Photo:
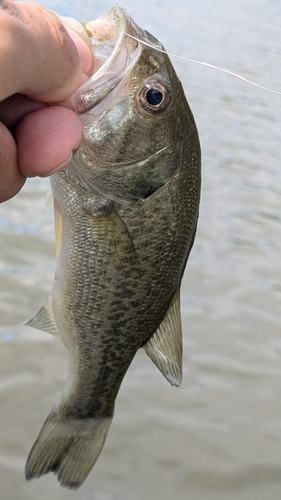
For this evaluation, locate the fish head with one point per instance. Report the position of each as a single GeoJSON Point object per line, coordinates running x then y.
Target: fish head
{"type": "Point", "coordinates": [132, 110]}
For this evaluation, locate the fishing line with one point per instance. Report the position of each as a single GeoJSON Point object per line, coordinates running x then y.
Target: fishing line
{"type": "Point", "coordinates": [206, 64]}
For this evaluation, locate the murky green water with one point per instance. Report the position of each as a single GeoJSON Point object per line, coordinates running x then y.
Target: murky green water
{"type": "Point", "coordinates": [218, 437]}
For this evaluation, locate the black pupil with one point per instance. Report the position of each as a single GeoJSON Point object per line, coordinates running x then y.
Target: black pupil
{"type": "Point", "coordinates": [154, 97]}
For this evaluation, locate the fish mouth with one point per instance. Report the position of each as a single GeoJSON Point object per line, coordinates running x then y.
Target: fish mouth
{"type": "Point", "coordinates": [114, 54]}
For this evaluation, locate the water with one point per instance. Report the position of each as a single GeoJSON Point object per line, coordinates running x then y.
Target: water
{"type": "Point", "coordinates": [218, 437]}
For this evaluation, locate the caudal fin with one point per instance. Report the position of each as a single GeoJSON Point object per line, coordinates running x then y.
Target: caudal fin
{"type": "Point", "coordinates": [69, 448]}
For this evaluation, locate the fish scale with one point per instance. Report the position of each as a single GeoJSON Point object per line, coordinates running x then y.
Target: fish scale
{"type": "Point", "coordinates": [126, 210]}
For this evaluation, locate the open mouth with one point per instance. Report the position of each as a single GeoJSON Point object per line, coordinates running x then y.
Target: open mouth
{"type": "Point", "coordinates": [114, 53]}
{"type": "Point", "coordinates": [103, 36]}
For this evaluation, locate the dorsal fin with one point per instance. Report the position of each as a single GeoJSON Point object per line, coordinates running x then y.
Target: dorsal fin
{"type": "Point", "coordinates": [44, 319]}
{"type": "Point", "coordinates": [165, 345]}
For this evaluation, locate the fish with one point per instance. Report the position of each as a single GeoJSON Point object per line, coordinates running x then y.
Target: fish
{"type": "Point", "coordinates": [126, 209]}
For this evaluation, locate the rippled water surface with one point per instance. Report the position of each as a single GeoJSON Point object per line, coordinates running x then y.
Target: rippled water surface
{"type": "Point", "coordinates": [218, 437]}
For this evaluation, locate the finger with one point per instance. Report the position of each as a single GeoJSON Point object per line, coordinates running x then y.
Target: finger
{"type": "Point", "coordinates": [17, 106]}
{"type": "Point", "coordinates": [84, 52]}
{"type": "Point", "coordinates": [38, 57]}
{"type": "Point", "coordinates": [11, 179]}
{"type": "Point", "coordinates": [46, 140]}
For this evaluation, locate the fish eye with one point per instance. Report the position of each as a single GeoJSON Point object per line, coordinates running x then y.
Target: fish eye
{"type": "Point", "coordinates": [153, 97]}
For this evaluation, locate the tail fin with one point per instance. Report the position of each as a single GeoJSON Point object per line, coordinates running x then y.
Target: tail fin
{"type": "Point", "coordinates": [67, 447]}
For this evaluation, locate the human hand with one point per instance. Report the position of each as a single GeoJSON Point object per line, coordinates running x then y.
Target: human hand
{"type": "Point", "coordinates": [40, 65]}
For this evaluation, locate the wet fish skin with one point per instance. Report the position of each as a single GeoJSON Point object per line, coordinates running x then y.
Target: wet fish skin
{"type": "Point", "coordinates": [126, 211]}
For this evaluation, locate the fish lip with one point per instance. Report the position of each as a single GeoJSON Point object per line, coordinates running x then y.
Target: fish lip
{"type": "Point", "coordinates": [107, 77]}
{"type": "Point", "coordinates": [120, 20]}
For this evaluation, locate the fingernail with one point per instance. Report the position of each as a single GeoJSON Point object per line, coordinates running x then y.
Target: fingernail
{"type": "Point", "coordinates": [84, 52]}
{"type": "Point", "coordinates": [59, 167]}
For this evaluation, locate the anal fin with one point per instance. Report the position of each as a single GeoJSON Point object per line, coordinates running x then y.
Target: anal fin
{"type": "Point", "coordinates": [165, 345]}
{"type": "Point", "coordinates": [44, 319]}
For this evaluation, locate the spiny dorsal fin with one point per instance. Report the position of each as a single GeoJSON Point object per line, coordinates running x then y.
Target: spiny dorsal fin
{"type": "Point", "coordinates": [165, 346]}
{"type": "Point", "coordinates": [44, 319]}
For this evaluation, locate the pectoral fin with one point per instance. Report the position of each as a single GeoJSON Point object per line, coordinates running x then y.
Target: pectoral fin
{"type": "Point", "coordinates": [165, 346]}
{"type": "Point", "coordinates": [44, 320]}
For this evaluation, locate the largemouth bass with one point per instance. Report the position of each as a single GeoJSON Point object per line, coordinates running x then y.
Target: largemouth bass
{"type": "Point", "coordinates": [126, 210]}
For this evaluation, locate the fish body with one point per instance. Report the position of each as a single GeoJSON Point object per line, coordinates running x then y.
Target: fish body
{"type": "Point", "coordinates": [126, 210]}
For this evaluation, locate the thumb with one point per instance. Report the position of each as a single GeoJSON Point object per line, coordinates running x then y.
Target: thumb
{"type": "Point", "coordinates": [36, 46]}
